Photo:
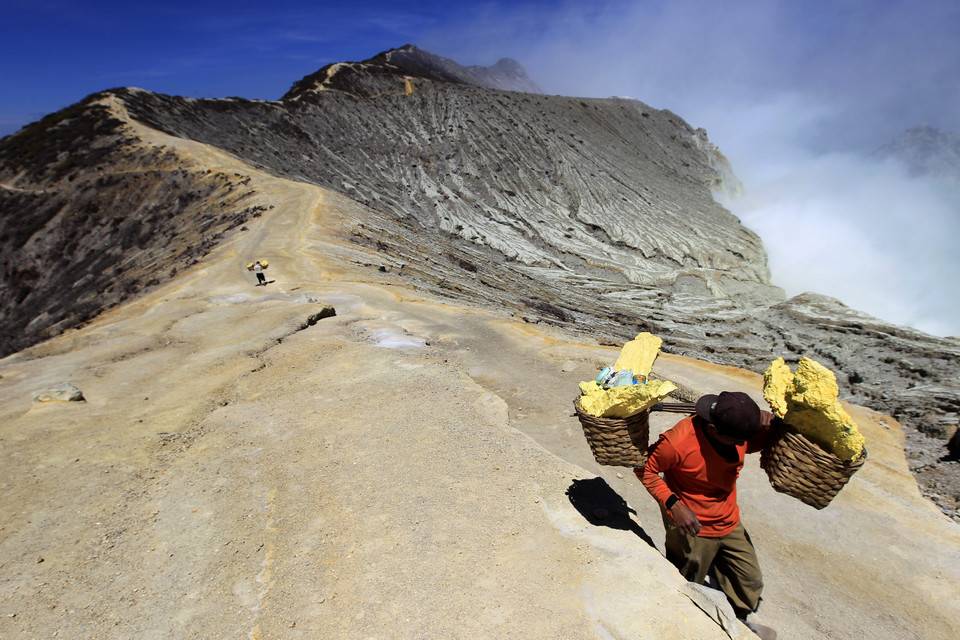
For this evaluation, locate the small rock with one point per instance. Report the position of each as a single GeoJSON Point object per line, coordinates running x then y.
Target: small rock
{"type": "Point", "coordinates": [63, 392]}
{"type": "Point", "coordinates": [951, 431]}
{"type": "Point", "coordinates": [941, 428]}
{"type": "Point", "coordinates": [327, 312]}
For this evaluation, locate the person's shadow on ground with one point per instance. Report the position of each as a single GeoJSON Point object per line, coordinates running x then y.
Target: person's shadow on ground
{"type": "Point", "coordinates": [265, 283]}
{"type": "Point", "coordinates": [603, 507]}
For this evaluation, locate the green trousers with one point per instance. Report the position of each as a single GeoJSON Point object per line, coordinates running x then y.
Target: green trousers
{"type": "Point", "coordinates": [733, 558]}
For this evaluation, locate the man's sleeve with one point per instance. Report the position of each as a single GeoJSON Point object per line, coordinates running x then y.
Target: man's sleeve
{"type": "Point", "coordinates": [759, 441]}
{"type": "Point", "coordinates": [662, 457]}
{"type": "Point", "coordinates": [756, 443]}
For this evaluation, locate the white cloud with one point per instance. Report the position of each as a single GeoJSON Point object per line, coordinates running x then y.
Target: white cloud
{"type": "Point", "coordinates": [864, 232]}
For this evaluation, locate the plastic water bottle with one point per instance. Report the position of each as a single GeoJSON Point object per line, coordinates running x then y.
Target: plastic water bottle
{"type": "Point", "coordinates": [623, 378]}
{"type": "Point", "coordinates": [604, 378]}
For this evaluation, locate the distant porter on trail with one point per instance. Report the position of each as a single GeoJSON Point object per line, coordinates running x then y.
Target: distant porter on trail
{"type": "Point", "coordinates": [258, 267]}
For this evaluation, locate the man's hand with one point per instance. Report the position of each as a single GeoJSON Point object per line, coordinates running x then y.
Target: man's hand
{"type": "Point", "coordinates": [766, 419]}
{"type": "Point", "coordinates": [686, 520]}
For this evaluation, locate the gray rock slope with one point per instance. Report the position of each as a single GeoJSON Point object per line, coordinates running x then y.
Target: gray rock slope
{"type": "Point", "coordinates": [594, 214]}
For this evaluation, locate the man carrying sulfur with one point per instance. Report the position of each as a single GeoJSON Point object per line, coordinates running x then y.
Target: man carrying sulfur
{"type": "Point", "coordinates": [700, 459]}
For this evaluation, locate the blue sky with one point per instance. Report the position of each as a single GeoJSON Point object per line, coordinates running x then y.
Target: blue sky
{"type": "Point", "coordinates": [795, 93]}
{"type": "Point", "coordinates": [886, 64]}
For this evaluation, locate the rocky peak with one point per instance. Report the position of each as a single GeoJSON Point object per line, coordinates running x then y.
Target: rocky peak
{"type": "Point", "coordinates": [506, 74]}
{"type": "Point", "coordinates": [927, 151]}
{"type": "Point", "coordinates": [390, 69]}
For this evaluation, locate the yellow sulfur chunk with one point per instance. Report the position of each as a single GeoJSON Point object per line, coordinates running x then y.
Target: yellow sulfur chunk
{"type": "Point", "coordinates": [639, 354]}
{"type": "Point", "coordinates": [833, 429]}
{"type": "Point", "coordinates": [590, 386]}
{"type": "Point", "coordinates": [622, 402]}
{"type": "Point", "coordinates": [814, 385]}
{"type": "Point", "coordinates": [777, 383]}
{"type": "Point", "coordinates": [811, 406]}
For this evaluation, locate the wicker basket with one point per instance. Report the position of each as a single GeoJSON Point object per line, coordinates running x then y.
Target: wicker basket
{"type": "Point", "coordinates": [618, 442]}
{"type": "Point", "coordinates": [799, 468]}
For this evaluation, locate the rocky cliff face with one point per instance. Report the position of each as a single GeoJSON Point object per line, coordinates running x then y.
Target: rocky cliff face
{"type": "Point", "coordinates": [593, 214]}
{"type": "Point", "coordinates": [544, 182]}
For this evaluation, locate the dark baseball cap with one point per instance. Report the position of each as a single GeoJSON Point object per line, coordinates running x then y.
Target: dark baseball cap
{"type": "Point", "coordinates": [734, 413]}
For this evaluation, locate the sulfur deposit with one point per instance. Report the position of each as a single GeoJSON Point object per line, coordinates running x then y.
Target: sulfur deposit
{"type": "Point", "coordinates": [621, 402]}
{"type": "Point", "coordinates": [807, 402]}
{"type": "Point", "coordinates": [777, 381]}
{"type": "Point", "coordinates": [637, 356]}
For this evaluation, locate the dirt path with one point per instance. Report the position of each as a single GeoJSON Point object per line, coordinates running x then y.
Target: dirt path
{"type": "Point", "coordinates": [404, 469]}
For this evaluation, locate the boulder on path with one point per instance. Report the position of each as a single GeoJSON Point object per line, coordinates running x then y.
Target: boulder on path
{"type": "Point", "coordinates": [62, 392]}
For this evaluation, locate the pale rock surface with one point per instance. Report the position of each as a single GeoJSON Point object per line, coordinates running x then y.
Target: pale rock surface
{"type": "Point", "coordinates": [716, 605]}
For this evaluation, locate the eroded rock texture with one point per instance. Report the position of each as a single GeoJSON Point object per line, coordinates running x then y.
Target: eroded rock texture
{"type": "Point", "coordinates": [593, 214]}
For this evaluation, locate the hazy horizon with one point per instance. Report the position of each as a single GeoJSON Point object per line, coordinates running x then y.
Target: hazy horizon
{"type": "Point", "coordinates": [795, 94]}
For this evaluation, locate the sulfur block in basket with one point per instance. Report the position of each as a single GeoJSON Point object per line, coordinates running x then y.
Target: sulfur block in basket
{"type": "Point", "coordinates": [621, 402]}
{"type": "Point", "coordinates": [807, 402]}
{"type": "Point", "coordinates": [777, 381]}
{"type": "Point", "coordinates": [639, 354]}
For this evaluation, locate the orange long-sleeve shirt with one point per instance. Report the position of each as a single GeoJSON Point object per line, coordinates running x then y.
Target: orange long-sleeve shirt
{"type": "Point", "coordinates": [702, 479]}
